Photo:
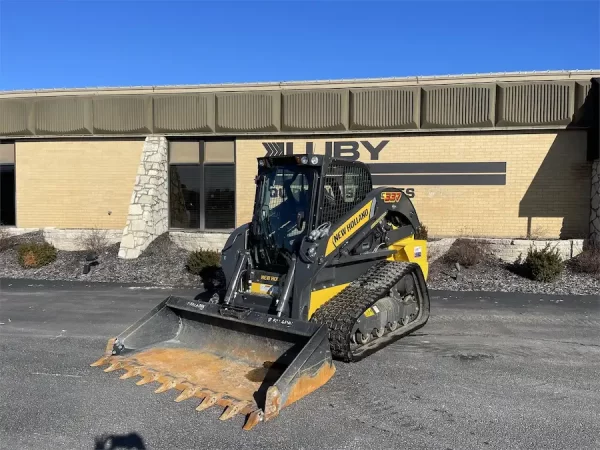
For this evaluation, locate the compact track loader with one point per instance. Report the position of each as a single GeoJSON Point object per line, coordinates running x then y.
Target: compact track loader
{"type": "Point", "coordinates": [328, 269]}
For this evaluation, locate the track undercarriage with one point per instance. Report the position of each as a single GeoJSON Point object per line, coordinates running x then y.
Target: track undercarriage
{"type": "Point", "coordinates": [386, 303]}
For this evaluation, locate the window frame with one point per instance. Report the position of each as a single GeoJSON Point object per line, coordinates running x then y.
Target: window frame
{"type": "Point", "coordinates": [14, 166]}
{"type": "Point", "coordinates": [201, 166]}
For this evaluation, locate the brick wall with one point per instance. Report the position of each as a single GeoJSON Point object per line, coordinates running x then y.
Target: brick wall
{"type": "Point", "coordinates": [74, 184]}
{"type": "Point", "coordinates": [546, 195]}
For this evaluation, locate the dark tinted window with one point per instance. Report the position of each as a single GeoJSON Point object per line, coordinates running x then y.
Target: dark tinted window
{"type": "Point", "coordinates": [219, 194]}
{"type": "Point", "coordinates": [202, 185]}
{"type": "Point", "coordinates": [7, 194]}
{"type": "Point", "coordinates": [185, 189]}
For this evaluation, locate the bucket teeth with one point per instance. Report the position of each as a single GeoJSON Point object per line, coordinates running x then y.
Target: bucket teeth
{"type": "Point", "coordinates": [208, 402]}
{"type": "Point", "coordinates": [114, 366]}
{"type": "Point", "coordinates": [232, 410]}
{"type": "Point", "coordinates": [147, 377]}
{"type": "Point", "coordinates": [101, 361]}
{"type": "Point", "coordinates": [168, 384]}
{"type": "Point", "coordinates": [253, 419]}
{"type": "Point", "coordinates": [131, 372]}
{"type": "Point", "coordinates": [187, 393]}
{"type": "Point", "coordinates": [232, 406]}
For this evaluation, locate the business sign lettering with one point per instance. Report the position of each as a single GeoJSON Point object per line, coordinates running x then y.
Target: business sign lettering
{"type": "Point", "coordinates": [398, 174]}
{"type": "Point", "coordinates": [351, 150]}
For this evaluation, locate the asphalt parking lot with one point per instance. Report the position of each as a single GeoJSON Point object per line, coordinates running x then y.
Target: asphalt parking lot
{"type": "Point", "coordinates": [497, 371]}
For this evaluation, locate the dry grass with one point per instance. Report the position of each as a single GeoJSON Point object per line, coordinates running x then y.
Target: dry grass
{"type": "Point", "coordinates": [588, 261]}
{"type": "Point", "coordinates": [467, 252]}
{"type": "Point", "coordinates": [5, 240]}
{"type": "Point", "coordinates": [94, 240]}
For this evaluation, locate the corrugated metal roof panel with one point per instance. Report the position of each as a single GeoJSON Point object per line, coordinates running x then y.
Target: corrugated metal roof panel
{"type": "Point", "coordinates": [14, 117]}
{"type": "Point", "coordinates": [384, 109]}
{"type": "Point", "coordinates": [184, 113]}
{"type": "Point", "coordinates": [548, 103]}
{"type": "Point", "coordinates": [256, 111]}
{"type": "Point", "coordinates": [315, 110]}
{"type": "Point", "coordinates": [123, 115]}
{"type": "Point", "coordinates": [63, 115]}
{"type": "Point", "coordinates": [458, 106]}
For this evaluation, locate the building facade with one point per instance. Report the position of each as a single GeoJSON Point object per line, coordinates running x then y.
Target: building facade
{"type": "Point", "coordinates": [493, 155]}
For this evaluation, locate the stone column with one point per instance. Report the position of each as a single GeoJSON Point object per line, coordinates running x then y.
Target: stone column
{"type": "Point", "coordinates": [148, 208]}
{"type": "Point", "coordinates": [595, 213]}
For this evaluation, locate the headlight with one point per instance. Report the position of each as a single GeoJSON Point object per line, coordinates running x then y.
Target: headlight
{"type": "Point", "coordinates": [304, 160]}
{"type": "Point", "coordinates": [314, 160]}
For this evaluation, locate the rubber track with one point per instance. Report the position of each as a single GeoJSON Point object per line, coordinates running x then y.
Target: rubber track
{"type": "Point", "coordinates": [344, 309]}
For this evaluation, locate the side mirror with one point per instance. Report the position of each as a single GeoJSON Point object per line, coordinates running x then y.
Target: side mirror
{"type": "Point", "coordinates": [300, 220]}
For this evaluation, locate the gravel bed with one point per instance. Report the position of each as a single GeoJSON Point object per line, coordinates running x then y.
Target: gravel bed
{"type": "Point", "coordinates": [498, 277]}
{"type": "Point", "coordinates": [161, 264]}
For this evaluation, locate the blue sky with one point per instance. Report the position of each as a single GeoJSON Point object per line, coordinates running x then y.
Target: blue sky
{"type": "Point", "coordinates": [52, 44]}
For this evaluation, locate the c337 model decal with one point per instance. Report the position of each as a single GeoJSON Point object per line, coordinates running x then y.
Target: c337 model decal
{"type": "Point", "coordinates": [391, 197]}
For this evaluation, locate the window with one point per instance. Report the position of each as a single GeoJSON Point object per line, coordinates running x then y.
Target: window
{"type": "Point", "coordinates": [346, 185]}
{"type": "Point", "coordinates": [202, 185]}
{"type": "Point", "coordinates": [7, 185]}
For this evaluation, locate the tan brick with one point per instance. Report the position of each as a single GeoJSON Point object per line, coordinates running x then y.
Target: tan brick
{"type": "Point", "coordinates": [548, 181]}
{"type": "Point", "coordinates": [75, 184]}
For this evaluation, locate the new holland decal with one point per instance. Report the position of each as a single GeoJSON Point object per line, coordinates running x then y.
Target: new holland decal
{"type": "Point", "coordinates": [348, 228]}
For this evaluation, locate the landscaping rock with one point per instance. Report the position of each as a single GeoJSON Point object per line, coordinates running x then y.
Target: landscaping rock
{"type": "Point", "coordinates": [162, 263]}
{"type": "Point", "coordinates": [502, 277]}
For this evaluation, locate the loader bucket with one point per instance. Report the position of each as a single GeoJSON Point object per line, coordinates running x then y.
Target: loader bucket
{"type": "Point", "coordinates": [250, 363]}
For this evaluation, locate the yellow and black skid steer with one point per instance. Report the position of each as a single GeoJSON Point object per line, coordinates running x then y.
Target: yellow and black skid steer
{"type": "Point", "coordinates": [328, 269]}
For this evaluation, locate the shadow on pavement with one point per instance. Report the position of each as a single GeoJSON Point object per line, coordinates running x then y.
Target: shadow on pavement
{"type": "Point", "coordinates": [123, 441]}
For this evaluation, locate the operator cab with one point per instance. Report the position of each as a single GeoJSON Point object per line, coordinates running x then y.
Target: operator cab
{"type": "Point", "coordinates": [296, 194]}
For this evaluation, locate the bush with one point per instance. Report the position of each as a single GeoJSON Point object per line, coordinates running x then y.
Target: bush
{"type": "Point", "coordinates": [207, 265]}
{"type": "Point", "coordinates": [588, 261]}
{"type": "Point", "coordinates": [202, 259]}
{"type": "Point", "coordinates": [421, 232]}
{"type": "Point", "coordinates": [94, 241]}
{"type": "Point", "coordinates": [5, 240]}
{"type": "Point", "coordinates": [467, 252]}
{"type": "Point", "coordinates": [32, 255]}
{"type": "Point", "coordinates": [543, 264]}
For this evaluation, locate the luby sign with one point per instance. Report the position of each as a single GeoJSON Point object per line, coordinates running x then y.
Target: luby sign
{"type": "Point", "coordinates": [400, 174]}
{"type": "Point", "coordinates": [352, 150]}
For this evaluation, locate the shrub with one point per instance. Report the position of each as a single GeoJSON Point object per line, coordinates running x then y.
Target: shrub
{"type": "Point", "coordinates": [32, 255]}
{"type": "Point", "coordinates": [543, 264]}
{"type": "Point", "coordinates": [94, 241]}
{"type": "Point", "coordinates": [421, 232]}
{"type": "Point", "coordinates": [202, 259]}
{"type": "Point", "coordinates": [5, 240]}
{"type": "Point", "coordinates": [207, 265]}
{"type": "Point", "coordinates": [587, 261]}
{"type": "Point", "coordinates": [467, 252]}
{"type": "Point", "coordinates": [160, 247]}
